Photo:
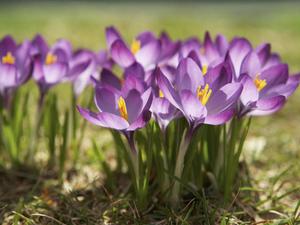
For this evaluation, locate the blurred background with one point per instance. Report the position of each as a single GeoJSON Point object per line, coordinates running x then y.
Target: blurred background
{"type": "Point", "coordinates": [274, 141]}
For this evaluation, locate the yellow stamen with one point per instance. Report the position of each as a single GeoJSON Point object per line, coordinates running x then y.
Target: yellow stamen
{"type": "Point", "coordinates": [8, 59]}
{"type": "Point", "coordinates": [123, 108]}
{"type": "Point", "coordinates": [204, 94]}
{"type": "Point", "coordinates": [50, 59]}
{"type": "Point", "coordinates": [204, 69]}
{"type": "Point", "coordinates": [135, 46]}
{"type": "Point", "coordinates": [161, 94]}
{"type": "Point", "coordinates": [259, 83]}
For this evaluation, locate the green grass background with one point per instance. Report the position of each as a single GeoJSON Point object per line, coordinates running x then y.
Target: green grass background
{"type": "Point", "coordinates": [278, 23]}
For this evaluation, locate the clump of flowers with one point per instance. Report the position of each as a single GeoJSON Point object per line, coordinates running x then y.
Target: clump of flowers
{"type": "Point", "coordinates": [179, 111]}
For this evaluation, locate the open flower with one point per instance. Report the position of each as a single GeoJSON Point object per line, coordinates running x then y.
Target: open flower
{"type": "Point", "coordinates": [207, 54]}
{"type": "Point", "coordinates": [265, 78]}
{"type": "Point", "coordinates": [51, 64]}
{"type": "Point", "coordinates": [144, 49]}
{"type": "Point", "coordinates": [15, 64]}
{"type": "Point", "coordinates": [208, 100]}
{"type": "Point", "coordinates": [130, 81]}
{"type": "Point", "coordinates": [266, 92]}
{"type": "Point", "coordinates": [124, 112]}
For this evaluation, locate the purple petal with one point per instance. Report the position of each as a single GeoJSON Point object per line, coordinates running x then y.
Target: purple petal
{"type": "Point", "coordinates": [168, 51]}
{"type": "Point", "coordinates": [38, 73]}
{"type": "Point", "coordinates": [210, 50]}
{"type": "Point", "coordinates": [55, 72]}
{"type": "Point", "coordinates": [134, 105]}
{"type": "Point", "coordinates": [251, 64]}
{"type": "Point", "coordinates": [285, 90]}
{"type": "Point", "coordinates": [218, 76]}
{"type": "Point", "coordinates": [220, 118]}
{"type": "Point", "coordinates": [222, 44]}
{"type": "Point", "coordinates": [8, 75]}
{"type": "Point", "coordinates": [224, 98]}
{"type": "Point", "coordinates": [167, 89]}
{"type": "Point", "coordinates": [63, 45]}
{"type": "Point", "coordinates": [121, 54]}
{"type": "Point", "coordinates": [189, 75]}
{"type": "Point", "coordinates": [273, 60]}
{"type": "Point", "coordinates": [268, 106]}
{"type": "Point", "coordinates": [163, 112]}
{"type": "Point", "coordinates": [135, 70]}
{"type": "Point", "coordinates": [191, 44]}
{"type": "Point", "coordinates": [106, 100]}
{"type": "Point", "coordinates": [108, 78]}
{"type": "Point", "coordinates": [131, 82]}
{"type": "Point", "coordinates": [111, 36]}
{"type": "Point", "coordinates": [103, 60]}
{"type": "Point", "coordinates": [250, 93]}
{"type": "Point", "coordinates": [141, 121]}
{"type": "Point", "coordinates": [238, 50]}
{"type": "Point", "coordinates": [263, 51]}
{"type": "Point", "coordinates": [146, 37]}
{"type": "Point", "coordinates": [148, 55]}
{"type": "Point", "coordinates": [275, 75]}
{"type": "Point", "coordinates": [192, 107]}
{"type": "Point", "coordinates": [104, 119]}
{"type": "Point", "coordinates": [144, 113]}
{"type": "Point", "coordinates": [39, 46]}
{"type": "Point", "coordinates": [7, 44]}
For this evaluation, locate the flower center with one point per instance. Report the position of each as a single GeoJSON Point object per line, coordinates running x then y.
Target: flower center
{"type": "Point", "coordinates": [135, 46]}
{"type": "Point", "coordinates": [259, 83]}
{"type": "Point", "coordinates": [204, 94]}
{"type": "Point", "coordinates": [204, 69]}
{"type": "Point", "coordinates": [122, 108]}
{"type": "Point", "coordinates": [8, 59]}
{"type": "Point", "coordinates": [161, 94]}
{"type": "Point", "coordinates": [50, 59]}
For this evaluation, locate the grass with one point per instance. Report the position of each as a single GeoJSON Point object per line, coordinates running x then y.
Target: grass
{"type": "Point", "coordinates": [272, 150]}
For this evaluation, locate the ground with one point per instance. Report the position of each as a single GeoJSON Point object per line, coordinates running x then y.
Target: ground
{"type": "Point", "coordinates": [272, 151]}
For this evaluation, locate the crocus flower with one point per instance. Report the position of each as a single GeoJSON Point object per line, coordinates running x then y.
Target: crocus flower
{"type": "Point", "coordinates": [51, 64]}
{"type": "Point", "coordinates": [265, 78]}
{"type": "Point", "coordinates": [124, 112]}
{"type": "Point", "coordinates": [207, 54]}
{"type": "Point", "coordinates": [145, 49]}
{"type": "Point", "coordinates": [205, 99]}
{"type": "Point", "coordinates": [15, 64]}
{"type": "Point", "coordinates": [130, 81]}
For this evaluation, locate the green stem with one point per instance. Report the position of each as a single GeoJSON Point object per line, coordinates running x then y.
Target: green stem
{"type": "Point", "coordinates": [36, 129]}
{"type": "Point", "coordinates": [185, 141]}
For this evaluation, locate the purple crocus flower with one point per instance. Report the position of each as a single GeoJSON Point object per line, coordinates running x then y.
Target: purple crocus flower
{"type": "Point", "coordinates": [51, 64]}
{"type": "Point", "coordinates": [145, 49]}
{"type": "Point", "coordinates": [15, 64]}
{"type": "Point", "coordinates": [202, 99]}
{"type": "Point", "coordinates": [265, 78]}
{"type": "Point", "coordinates": [207, 54]}
{"type": "Point", "coordinates": [130, 81]}
{"type": "Point", "coordinates": [123, 112]}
